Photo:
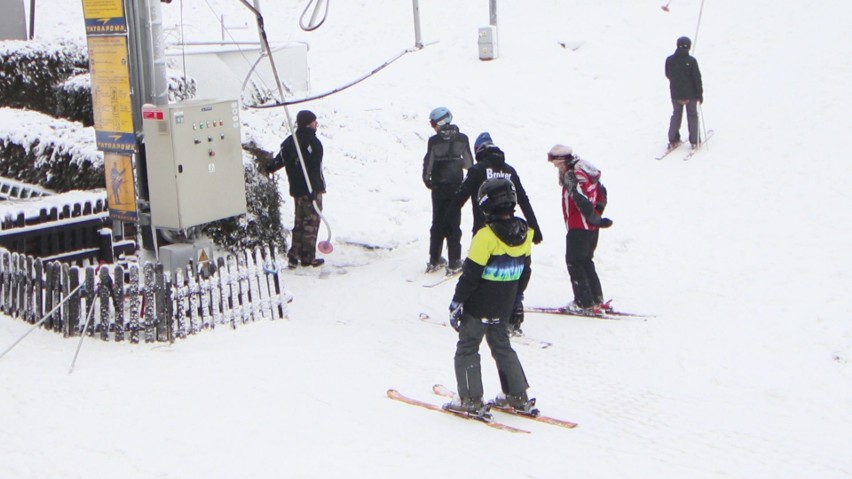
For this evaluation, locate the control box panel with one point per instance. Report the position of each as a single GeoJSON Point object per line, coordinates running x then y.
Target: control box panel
{"type": "Point", "coordinates": [195, 162]}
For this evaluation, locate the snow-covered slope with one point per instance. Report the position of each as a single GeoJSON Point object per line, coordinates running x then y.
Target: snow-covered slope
{"type": "Point", "coordinates": [741, 253]}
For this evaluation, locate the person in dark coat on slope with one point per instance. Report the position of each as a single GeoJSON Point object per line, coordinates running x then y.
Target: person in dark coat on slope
{"type": "Point", "coordinates": [687, 91]}
{"type": "Point", "coordinates": [496, 270]}
{"type": "Point", "coordinates": [447, 156]}
{"type": "Point", "coordinates": [491, 163]}
{"type": "Point", "coordinates": [306, 219]}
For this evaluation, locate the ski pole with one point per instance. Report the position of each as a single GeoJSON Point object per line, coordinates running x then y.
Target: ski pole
{"type": "Point", "coordinates": [40, 321]}
{"type": "Point", "coordinates": [82, 336]}
{"type": "Point", "coordinates": [324, 246]}
{"type": "Point", "coordinates": [703, 125]}
{"type": "Point", "coordinates": [697, 27]}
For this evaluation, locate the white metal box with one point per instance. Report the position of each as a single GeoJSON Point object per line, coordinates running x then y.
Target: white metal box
{"type": "Point", "coordinates": [195, 162]}
{"type": "Point", "coordinates": [488, 43]}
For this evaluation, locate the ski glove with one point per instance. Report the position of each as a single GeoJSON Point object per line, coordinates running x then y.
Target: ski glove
{"type": "Point", "coordinates": [517, 316]}
{"type": "Point", "coordinates": [605, 223]}
{"type": "Point", "coordinates": [537, 238]}
{"type": "Point", "coordinates": [456, 312]}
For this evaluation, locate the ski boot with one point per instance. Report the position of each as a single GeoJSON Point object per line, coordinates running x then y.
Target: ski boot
{"type": "Point", "coordinates": [436, 264]}
{"type": "Point", "coordinates": [454, 267]}
{"type": "Point", "coordinates": [516, 403]}
{"type": "Point", "coordinates": [605, 307]}
{"type": "Point", "coordinates": [470, 407]}
{"type": "Point", "coordinates": [594, 310]}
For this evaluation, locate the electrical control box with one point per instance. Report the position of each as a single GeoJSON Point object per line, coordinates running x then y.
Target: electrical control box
{"type": "Point", "coordinates": [195, 162]}
{"type": "Point", "coordinates": [488, 43]}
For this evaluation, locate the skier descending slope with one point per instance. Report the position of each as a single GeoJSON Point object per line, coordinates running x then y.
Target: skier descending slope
{"type": "Point", "coordinates": [495, 272]}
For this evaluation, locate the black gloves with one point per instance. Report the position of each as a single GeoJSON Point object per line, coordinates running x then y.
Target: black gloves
{"type": "Point", "coordinates": [605, 223]}
{"type": "Point", "coordinates": [456, 313]}
{"type": "Point", "coordinates": [517, 316]}
{"type": "Point", "coordinates": [428, 184]}
{"type": "Point", "coordinates": [537, 238]}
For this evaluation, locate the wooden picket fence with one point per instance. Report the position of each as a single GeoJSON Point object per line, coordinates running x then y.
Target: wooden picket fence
{"type": "Point", "coordinates": [114, 302]}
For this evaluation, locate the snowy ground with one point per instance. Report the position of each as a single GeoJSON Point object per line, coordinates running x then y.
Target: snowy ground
{"type": "Point", "coordinates": [741, 253]}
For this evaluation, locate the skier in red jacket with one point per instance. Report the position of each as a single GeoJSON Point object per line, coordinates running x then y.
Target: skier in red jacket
{"type": "Point", "coordinates": [583, 203]}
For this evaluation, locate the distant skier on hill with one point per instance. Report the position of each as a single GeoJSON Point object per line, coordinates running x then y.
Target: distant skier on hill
{"type": "Point", "coordinates": [583, 202]}
{"type": "Point", "coordinates": [496, 271]}
{"type": "Point", "coordinates": [447, 156]}
{"type": "Point", "coordinates": [686, 91]}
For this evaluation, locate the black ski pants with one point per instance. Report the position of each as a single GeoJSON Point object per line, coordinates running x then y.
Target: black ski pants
{"type": "Point", "coordinates": [579, 257]}
{"type": "Point", "coordinates": [677, 118]}
{"type": "Point", "coordinates": [467, 359]}
{"type": "Point", "coordinates": [446, 223]}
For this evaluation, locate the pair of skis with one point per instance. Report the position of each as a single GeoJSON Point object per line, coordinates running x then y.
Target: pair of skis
{"type": "Point", "coordinates": [606, 314]}
{"type": "Point", "coordinates": [488, 420]}
{"type": "Point", "coordinates": [691, 152]}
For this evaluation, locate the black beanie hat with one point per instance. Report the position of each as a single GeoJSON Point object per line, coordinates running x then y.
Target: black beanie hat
{"type": "Point", "coordinates": [305, 118]}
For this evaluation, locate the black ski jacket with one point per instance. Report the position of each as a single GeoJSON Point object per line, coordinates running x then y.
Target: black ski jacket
{"type": "Point", "coordinates": [312, 153]}
{"type": "Point", "coordinates": [491, 163]}
{"type": "Point", "coordinates": [496, 270]}
{"type": "Point", "coordinates": [684, 76]}
{"type": "Point", "coordinates": [447, 156]}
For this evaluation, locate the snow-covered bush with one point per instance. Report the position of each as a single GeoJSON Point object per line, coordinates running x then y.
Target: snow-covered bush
{"type": "Point", "coordinates": [57, 154]}
{"type": "Point", "coordinates": [30, 70]}
{"type": "Point", "coordinates": [73, 99]}
{"type": "Point", "coordinates": [261, 226]}
{"type": "Point", "coordinates": [181, 88]}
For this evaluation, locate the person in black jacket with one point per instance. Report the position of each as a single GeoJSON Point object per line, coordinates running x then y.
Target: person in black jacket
{"type": "Point", "coordinates": [686, 91]}
{"type": "Point", "coordinates": [496, 271]}
{"type": "Point", "coordinates": [491, 163]}
{"type": "Point", "coordinates": [307, 219]}
{"type": "Point", "coordinates": [447, 156]}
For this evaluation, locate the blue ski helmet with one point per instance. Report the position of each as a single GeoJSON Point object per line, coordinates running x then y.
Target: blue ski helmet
{"type": "Point", "coordinates": [482, 141]}
{"type": "Point", "coordinates": [440, 116]}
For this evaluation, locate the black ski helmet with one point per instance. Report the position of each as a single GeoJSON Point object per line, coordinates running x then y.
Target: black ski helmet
{"type": "Point", "coordinates": [684, 42]}
{"type": "Point", "coordinates": [497, 196]}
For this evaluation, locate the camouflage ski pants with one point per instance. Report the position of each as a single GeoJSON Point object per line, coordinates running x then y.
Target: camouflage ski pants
{"type": "Point", "coordinates": [306, 224]}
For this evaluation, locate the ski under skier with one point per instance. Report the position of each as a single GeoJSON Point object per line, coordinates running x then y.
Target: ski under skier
{"type": "Point", "coordinates": [495, 272]}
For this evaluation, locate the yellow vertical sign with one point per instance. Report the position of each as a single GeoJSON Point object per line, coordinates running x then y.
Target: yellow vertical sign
{"type": "Point", "coordinates": [104, 17]}
{"type": "Point", "coordinates": [111, 103]}
{"type": "Point", "coordinates": [106, 37]}
{"type": "Point", "coordinates": [121, 190]}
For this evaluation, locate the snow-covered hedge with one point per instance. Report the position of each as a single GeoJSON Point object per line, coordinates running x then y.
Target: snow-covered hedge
{"type": "Point", "coordinates": [30, 71]}
{"type": "Point", "coordinates": [53, 78]}
{"type": "Point", "coordinates": [73, 99]}
{"type": "Point", "coordinates": [262, 224]}
{"type": "Point", "coordinates": [58, 154]}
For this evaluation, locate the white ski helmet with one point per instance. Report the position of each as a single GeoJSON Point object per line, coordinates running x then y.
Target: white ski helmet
{"type": "Point", "coordinates": [440, 116]}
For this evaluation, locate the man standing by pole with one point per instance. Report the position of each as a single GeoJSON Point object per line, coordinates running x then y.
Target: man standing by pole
{"type": "Point", "coordinates": [306, 219]}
